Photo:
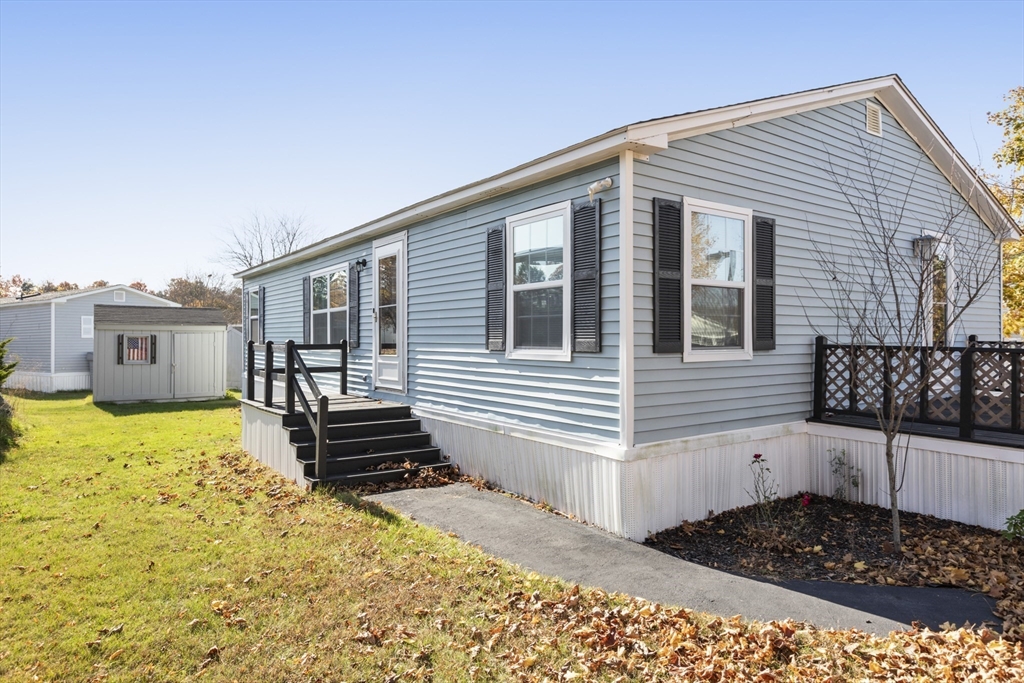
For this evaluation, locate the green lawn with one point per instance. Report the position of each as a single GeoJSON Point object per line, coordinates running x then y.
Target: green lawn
{"type": "Point", "coordinates": [140, 543]}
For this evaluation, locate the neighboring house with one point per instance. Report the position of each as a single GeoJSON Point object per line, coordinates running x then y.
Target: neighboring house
{"type": "Point", "coordinates": [150, 353]}
{"type": "Point", "coordinates": [53, 334]}
{"type": "Point", "coordinates": [556, 334]}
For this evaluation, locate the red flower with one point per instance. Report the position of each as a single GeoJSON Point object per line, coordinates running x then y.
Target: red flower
{"type": "Point", "coordinates": [806, 500]}
{"type": "Point", "coordinates": [757, 456]}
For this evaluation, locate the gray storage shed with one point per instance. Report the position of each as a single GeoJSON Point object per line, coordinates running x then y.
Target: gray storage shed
{"type": "Point", "coordinates": [142, 353]}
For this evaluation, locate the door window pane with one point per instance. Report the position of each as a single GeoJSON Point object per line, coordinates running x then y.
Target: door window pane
{"type": "Point", "coordinates": [387, 269]}
{"type": "Point", "coordinates": [716, 244]}
{"type": "Point", "coordinates": [320, 328]}
{"type": "Point", "coordinates": [387, 330]}
{"type": "Point", "coordinates": [538, 319]}
{"type": "Point", "coordinates": [716, 317]}
{"type": "Point", "coordinates": [320, 293]}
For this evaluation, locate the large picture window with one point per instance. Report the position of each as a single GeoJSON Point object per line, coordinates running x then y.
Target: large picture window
{"type": "Point", "coordinates": [539, 270]}
{"type": "Point", "coordinates": [716, 281]}
{"type": "Point", "coordinates": [329, 311]}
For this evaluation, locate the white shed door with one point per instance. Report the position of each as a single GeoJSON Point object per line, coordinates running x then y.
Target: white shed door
{"type": "Point", "coordinates": [194, 367]}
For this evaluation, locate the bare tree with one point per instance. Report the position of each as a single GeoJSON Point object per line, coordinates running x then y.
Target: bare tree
{"type": "Point", "coordinates": [206, 290]}
{"type": "Point", "coordinates": [919, 258]}
{"type": "Point", "coordinates": [261, 238]}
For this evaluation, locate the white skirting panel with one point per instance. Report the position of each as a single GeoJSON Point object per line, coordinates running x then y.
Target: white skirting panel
{"type": "Point", "coordinates": [970, 483]}
{"type": "Point", "coordinates": [49, 383]}
{"type": "Point", "coordinates": [583, 484]}
{"type": "Point", "coordinates": [662, 491]}
{"type": "Point", "coordinates": [265, 439]}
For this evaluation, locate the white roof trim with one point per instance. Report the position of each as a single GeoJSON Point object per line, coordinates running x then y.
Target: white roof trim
{"type": "Point", "coordinates": [650, 137]}
{"type": "Point", "coordinates": [74, 294]}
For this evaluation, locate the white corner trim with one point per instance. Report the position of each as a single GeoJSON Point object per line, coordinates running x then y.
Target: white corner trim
{"type": "Point", "coordinates": [53, 337]}
{"type": "Point", "coordinates": [626, 341]}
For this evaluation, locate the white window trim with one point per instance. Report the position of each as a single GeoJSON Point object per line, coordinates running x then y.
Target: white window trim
{"type": "Point", "coordinates": [87, 327]}
{"type": "Point", "coordinates": [691, 355]}
{"type": "Point", "coordinates": [565, 353]}
{"type": "Point", "coordinates": [149, 351]}
{"type": "Point", "coordinates": [337, 268]}
{"type": "Point", "coordinates": [942, 245]}
{"type": "Point", "coordinates": [119, 293]}
{"type": "Point", "coordinates": [250, 317]}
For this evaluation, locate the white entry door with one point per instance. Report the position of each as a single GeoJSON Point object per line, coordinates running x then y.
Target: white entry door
{"type": "Point", "coordinates": [389, 337]}
{"type": "Point", "coordinates": [196, 365]}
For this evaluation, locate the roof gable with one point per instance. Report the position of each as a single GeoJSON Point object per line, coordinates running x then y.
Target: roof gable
{"type": "Point", "coordinates": [61, 297]}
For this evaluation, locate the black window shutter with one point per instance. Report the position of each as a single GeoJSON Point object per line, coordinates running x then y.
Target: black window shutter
{"type": "Point", "coordinates": [764, 283]}
{"type": "Point", "coordinates": [495, 323]}
{"type": "Point", "coordinates": [353, 307]}
{"type": "Point", "coordinates": [120, 349]}
{"type": "Point", "coordinates": [305, 310]}
{"type": "Point", "coordinates": [152, 349]}
{"type": "Point", "coordinates": [586, 276]}
{"type": "Point", "coordinates": [668, 276]}
{"type": "Point", "coordinates": [263, 315]}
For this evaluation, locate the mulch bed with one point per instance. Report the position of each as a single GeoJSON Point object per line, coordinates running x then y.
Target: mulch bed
{"type": "Point", "coordinates": [826, 539]}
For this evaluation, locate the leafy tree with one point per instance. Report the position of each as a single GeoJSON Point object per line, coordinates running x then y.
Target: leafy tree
{"type": "Point", "coordinates": [100, 283]}
{"type": "Point", "coordinates": [140, 286]}
{"type": "Point", "coordinates": [261, 238]}
{"type": "Point", "coordinates": [194, 290]}
{"type": "Point", "coordinates": [8, 429]}
{"type": "Point", "coordinates": [1010, 192]}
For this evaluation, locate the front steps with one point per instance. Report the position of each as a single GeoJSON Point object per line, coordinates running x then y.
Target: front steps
{"type": "Point", "coordinates": [368, 441]}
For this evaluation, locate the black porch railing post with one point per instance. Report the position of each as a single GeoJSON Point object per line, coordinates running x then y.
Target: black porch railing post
{"type": "Point", "coordinates": [344, 367]}
{"type": "Point", "coordinates": [1015, 390]}
{"type": "Point", "coordinates": [289, 377]}
{"type": "Point", "coordinates": [322, 422]}
{"type": "Point", "coordinates": [818, 410]}
{"type": "Point", "coordinates": [268, 374]}
{"type": "Point", "coordinates": [967, 394]}
{"type": "Point", "coordinates": [250, 377]}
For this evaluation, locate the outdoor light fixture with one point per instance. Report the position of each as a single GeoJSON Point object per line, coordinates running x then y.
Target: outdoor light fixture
{"type": "Point", "coordinates": [599, 186]}
{"type": "Point", "coordinates": [360, 264]}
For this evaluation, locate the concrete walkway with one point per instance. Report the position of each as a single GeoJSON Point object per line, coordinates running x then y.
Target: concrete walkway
{"type": "Point", "coordinates": [557, 546]}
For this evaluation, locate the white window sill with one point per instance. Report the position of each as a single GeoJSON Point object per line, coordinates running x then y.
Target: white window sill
{"type": "Point", "coordinates": [537, 354]}
{"type": "Point", "coordinates": [709, 356]}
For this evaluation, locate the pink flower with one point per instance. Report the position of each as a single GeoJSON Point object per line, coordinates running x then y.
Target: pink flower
{"type": "Point", "coordinates": [806, 500]}
{"type": "Point", "coordinates": [757, 456]}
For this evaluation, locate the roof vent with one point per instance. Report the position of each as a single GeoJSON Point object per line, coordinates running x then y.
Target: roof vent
{"type": "Point", "coordinates": [874, 119]}
{"type": "Point", "coordinates": [118, 297]}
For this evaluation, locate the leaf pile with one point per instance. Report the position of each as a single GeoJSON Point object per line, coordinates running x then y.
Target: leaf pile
{"type": "Point", "coordinates": [834, 540]}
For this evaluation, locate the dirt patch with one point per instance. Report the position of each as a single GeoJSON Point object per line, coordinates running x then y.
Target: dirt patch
{"type": "Point", "coordinates": [825, 539]}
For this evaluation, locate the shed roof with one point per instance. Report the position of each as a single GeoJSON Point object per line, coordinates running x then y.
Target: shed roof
{"type": "Point", "coordinates": [156, 315]}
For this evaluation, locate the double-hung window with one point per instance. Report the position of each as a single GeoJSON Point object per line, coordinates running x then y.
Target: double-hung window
{"type": "Point", "coordinates": [539, 270]}
{"type": "Point", "coordinates": [939, 282]}
{"type": "Point", "coordinates": [86, 327]}
{"type": "Point", "coordinates": [329, 311]}
{"type": "Point", "coordinates": [717, 290]}
{"type": "Point", "coordinates": [254, 316]}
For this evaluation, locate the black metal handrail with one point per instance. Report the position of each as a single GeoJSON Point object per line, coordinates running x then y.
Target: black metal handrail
{"type": "Point", "coordinates": [293, 361]}
{"type": "Point", "coordinates": [985, 373]}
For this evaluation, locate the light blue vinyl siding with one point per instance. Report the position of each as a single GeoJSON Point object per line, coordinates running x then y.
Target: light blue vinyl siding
{"type": "Point", "coordinates": [449, 368]}
{"type": "Point", "coordinates": [777, 168]}
{"type": "Point", "coordinates": [29, 325]}
{"type": "Point", "coordinates": [71, 346]}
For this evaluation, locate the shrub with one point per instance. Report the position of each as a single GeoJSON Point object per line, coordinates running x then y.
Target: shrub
{"type": "Point", "coordinates": [1015, 527]}
{"type": "Point", "coordinates": [8, 429]}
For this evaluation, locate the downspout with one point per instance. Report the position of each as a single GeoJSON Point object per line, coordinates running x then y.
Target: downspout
{"type": "Point", "coordinates": [626, 342]}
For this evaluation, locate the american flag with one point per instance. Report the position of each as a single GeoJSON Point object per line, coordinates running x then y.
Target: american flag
{"type": "Point", "coordinates": [138, 348]}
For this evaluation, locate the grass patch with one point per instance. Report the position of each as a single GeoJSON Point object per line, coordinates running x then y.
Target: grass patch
{"type": "Point", "coordinates": [139, 543]}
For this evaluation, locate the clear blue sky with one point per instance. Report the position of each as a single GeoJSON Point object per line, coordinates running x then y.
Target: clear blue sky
{"type": "Point", "coordinates": [132, 135]}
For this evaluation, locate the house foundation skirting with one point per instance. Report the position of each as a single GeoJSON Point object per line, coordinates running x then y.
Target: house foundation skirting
{"type": "Point", "coordinates": [49, 383]}
{"type": "Point", "coordinates": [656, 486]}
{"type": "Point", "coordinates": [266, 440]}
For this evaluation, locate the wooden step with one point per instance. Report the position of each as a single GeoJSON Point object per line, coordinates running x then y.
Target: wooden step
{"type": "Point", "coordinates": [355, 430]}
{"type": "Point", "coordinates": [372, 413]}
{"type": "Point", "coordinates": [373, 476]}
{"type": "Point", "coordinates": [352, 463]}
{"type": "Point", "coordinates": [307, 449]}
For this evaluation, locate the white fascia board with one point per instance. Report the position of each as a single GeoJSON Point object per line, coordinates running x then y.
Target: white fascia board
{"type": "Point", "coordinates": [579, 156]}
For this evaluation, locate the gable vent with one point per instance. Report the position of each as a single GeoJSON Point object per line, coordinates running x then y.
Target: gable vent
{"type": "Point", "coordinates": [874, 119]}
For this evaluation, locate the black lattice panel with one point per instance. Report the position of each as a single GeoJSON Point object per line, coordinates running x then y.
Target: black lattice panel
{"type": "Point", "coordinates": [944, 386]}
{"type": "Point", "coordinates": [837, 379]}
{"type": "Point", "coordinates": [868, 381]}
{"type": "Point", "coordinates": [992, 389]}
{"type": "Point", "coordinates": [905, 376]}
